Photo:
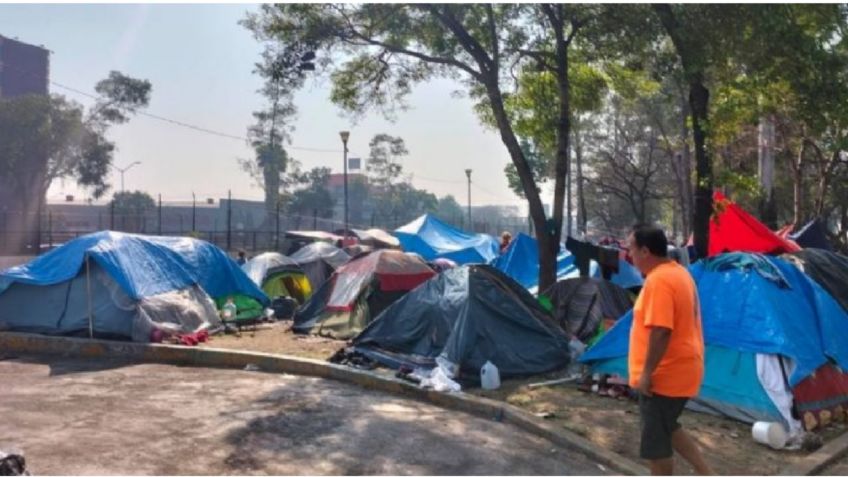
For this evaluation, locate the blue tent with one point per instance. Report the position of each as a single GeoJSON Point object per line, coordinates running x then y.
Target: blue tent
{"type": "Point", "coordinates": [770, 309]}
{"type": "Point", "coordinates": [113, 272]}
{"type": "Point", "coordinates": [521, 262]}
{"type": "Point", "coordinates": [431, 238]}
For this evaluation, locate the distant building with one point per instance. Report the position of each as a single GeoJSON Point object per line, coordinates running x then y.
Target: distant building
{"type": "Point", "coordinates": [24, 68]}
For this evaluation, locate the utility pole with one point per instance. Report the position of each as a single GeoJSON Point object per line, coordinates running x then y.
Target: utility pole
{"type": "Point", "coordinates": [123, 170]}
{"type": "Point", "coordinates": [345, 135]}
{"type": "Point", "coordinates": [160, 214]}
{"type": "Point", "coordinates": [468, 174]}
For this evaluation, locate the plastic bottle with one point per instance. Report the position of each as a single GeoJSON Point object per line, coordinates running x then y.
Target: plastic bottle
{"type": "Point", "coordinates": [490, 378]}
{"type": "Point", "coordinates": [230, 310]}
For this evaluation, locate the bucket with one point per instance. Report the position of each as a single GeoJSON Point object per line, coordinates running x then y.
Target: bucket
{"type": "Point", "coordinates": [771, 434]}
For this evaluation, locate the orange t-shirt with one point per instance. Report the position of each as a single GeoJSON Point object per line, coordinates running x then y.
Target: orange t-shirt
{"type": "Point", "coordinates": [669, 299]}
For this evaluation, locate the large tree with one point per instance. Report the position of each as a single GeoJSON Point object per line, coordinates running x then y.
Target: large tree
{"type": "Point", "coordinates": [384, 49]}
{"type": "Point", "coordinates": [45, 138]}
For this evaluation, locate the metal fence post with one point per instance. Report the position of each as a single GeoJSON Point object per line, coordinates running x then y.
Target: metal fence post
{"type": "Point", "coordinates": [229, 220]}
{"type": "Point", "coordinates": [160, 214]}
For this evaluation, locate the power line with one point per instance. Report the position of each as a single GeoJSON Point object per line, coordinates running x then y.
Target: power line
{"type": "Point", "coordinates": [190, 126]}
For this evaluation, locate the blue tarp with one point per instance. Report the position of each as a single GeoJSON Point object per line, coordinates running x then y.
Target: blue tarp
{"type": "Point", "coordinates": [744, 311]}
{"type": "Point", "coordinates": [431, 238]}
{"type": "Point", "coordinates": [141, 265]}
{"type": "Point", "coordinates": [521, 261]}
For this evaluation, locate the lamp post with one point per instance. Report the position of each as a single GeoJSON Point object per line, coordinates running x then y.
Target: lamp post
{"type": "Point", "coordinates": [125, 169]}
{"type": "Point", "coordinates": [345, 135]}
{"type": "Point", "coordinates": [468, 174]}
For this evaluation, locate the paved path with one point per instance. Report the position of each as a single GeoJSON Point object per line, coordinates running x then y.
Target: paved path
{"type": "Point", "coordinates": [75, 417]}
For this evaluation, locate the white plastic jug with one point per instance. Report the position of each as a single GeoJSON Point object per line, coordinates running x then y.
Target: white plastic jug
{"type": "Point", "coordinates": [771, 434]}
{"type": "Point", "coordinates": [490, 378]}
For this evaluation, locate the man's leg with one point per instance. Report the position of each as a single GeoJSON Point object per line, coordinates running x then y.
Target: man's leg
{"type": "Point", "coordinates": [688, 449]}
{"type": "Point", "coordinates": [662, 466]}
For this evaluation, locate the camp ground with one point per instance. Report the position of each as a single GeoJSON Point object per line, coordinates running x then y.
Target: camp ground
{"type": "Point", "coordinates": [396, 313]}
{"type": "Point", "coordinates": [382, 238]}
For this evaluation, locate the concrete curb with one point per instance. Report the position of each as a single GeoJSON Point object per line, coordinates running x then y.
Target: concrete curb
{"type": "Point", "coordinates": [221, 358]}
{"type": "Point", "coordinates": [820, 459]}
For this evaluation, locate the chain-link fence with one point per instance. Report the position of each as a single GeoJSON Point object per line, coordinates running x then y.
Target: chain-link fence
{"type": "Point", "coordinates": [230, 224]}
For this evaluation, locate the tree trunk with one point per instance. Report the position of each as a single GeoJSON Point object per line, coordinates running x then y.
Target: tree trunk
{"type": "Point", "coordinates": [547, 236]}
{"type": "Point", "coordinates": [798, 185]}
{"type": "Point", "coordinates": [548, 251]}
{"type": "Point", "coordinates": [765, 171]}
{"type": "Point", "coordinates": [699, 97]}
{"type": "Point", "coordinates": [687, 203]}
{"type": "Point", "coordinates": [581, 199]}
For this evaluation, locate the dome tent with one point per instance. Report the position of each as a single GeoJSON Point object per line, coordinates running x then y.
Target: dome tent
{"type": "Point", "coordinates": [319, 260]}
{"type": "Point", "coordinates": [117, 285]}
{"type": "Point", "coordinates": [467, 316]}
{"type": "Point", "coordinates": [278, 276]}
{"type": "Point", "coordinates": [358, 291]}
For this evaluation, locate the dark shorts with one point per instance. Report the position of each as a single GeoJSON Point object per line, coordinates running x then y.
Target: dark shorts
{"type": "Point", "coordinates": [659, 420]}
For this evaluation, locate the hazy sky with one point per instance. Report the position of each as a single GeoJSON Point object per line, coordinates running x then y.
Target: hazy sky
{"type": "Point", "coordinates": [200, 62]}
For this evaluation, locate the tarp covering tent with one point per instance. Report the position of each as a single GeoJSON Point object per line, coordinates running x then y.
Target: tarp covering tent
{"type": "Point", "coordinates": [580, 305]}
{"type": "Point", "coordinates": [520, 261]}
{"type": "Point", "coordinates": [828, 269]}
{"type": "Point", "coordinates": [131, 283]}
{"type": "Point", "coordinates": [431, 238]}
{"type": "Point", "coordinates": [358, 291]}
{"type": "Point", "coordinates": [278, 276]}
{"type": "Point", "coordinates": [466, 316]}
{"type": "Point", "coordinates": [374, 237]}
{"type": "Point", "coordinates": [754, 309]}
{"type": "Point", "coordinates": [734, 230]}
{"type": "Point", "coordinates": [314, 235]}
{"type": "Point", "coordinates": [812, 235]}
{"type": "Point", "coordinates": [319, 260]}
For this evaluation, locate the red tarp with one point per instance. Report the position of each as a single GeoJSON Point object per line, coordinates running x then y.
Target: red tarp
{"type": "Point", "coordinates": [734, 230]}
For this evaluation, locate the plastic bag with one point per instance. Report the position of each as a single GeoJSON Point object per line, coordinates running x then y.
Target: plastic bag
{"type": "Point", "coordinates": [440, 381]}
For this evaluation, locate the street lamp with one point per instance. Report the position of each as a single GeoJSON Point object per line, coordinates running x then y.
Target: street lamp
{"type": "Point", "coordinates": [345, 135]}
{"type": "Point", "coordinates": [125, 169]}
{"type": "Point", "coordinates": [468, 174]}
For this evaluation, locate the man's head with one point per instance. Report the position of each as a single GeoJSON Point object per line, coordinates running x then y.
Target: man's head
{"type": "Point", "coordinates": [241, 253]}
{"type": "Point", "coordinates": [647, 246]}
{"type": "Point", "coordinates": [506, 237]}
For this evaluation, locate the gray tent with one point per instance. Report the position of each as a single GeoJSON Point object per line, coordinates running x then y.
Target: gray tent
{"type": "Point", "coordinates": [580, 305]}
{"type": "Point", "coordinates": [466, 316]}
{"type": "Point", "coordinates": [319, 260]}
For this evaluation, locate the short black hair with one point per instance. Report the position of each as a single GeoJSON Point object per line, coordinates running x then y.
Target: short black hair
{"type": "Point", "coordinates": [651, 237]}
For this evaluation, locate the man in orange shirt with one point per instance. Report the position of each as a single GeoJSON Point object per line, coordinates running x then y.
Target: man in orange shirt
{"type": "Point", "coordinates": [666, 359]}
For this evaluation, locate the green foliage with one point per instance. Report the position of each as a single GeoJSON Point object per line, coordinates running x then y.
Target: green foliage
{"type": "Point", "coordinates": [135, 202]}
{"type": "Point", "coordinates": [57, 138]}
{"type": "Point", "coordinates": [312, 195]}
{"type": "Point", "coordinates": [449, 209]}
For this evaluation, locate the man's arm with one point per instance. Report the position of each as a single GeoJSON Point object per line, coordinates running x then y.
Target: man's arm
{"type": "Point", "coordinates": [657, 345]}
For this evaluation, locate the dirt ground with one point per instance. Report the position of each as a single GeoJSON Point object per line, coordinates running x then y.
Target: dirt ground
{"type": "Point", "coordinates": [611, 423]}
{"type": "Point", "coordinates": [107, 417]}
